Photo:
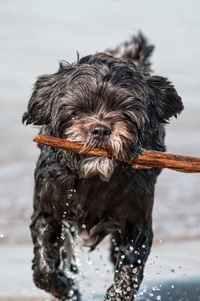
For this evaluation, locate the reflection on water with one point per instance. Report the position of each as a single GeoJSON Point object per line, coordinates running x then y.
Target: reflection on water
{"type": "Point", "coordinates": [34, 39]}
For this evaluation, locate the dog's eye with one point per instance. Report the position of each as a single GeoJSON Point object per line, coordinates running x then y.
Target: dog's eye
{"type": "Point", "coordinates": [74, 114]}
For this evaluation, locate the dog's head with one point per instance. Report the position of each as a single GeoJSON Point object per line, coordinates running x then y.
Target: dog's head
{"type": "Point", "coordinates": [103, 102]}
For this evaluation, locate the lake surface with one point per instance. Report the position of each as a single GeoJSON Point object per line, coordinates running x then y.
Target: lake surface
{"type": "Point", "coordinates": [35, 35]}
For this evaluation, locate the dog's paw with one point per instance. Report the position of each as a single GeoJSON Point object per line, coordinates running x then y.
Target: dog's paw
{"type": "Point", "coordinates": [56, 283]}
{"type": "Point", "coordinates": [116, 293]}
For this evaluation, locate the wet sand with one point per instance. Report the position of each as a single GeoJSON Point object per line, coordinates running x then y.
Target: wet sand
{"type": "Point", "coordinates": [172, 273]}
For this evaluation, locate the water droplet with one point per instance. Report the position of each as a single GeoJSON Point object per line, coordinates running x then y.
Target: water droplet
{"type": "Point", "coordinates": [131, 248]}
{"type": "Point", "coordinates": [123, 256]}
{"type": "Point", "coordinates": [158, 298]}
{"type": "Point", "coordinates": [67, 204]}
{"type": "Point", "coordinates": [117, 290]}
{"type": "Point", "coordinates": [1, 235]}
{"type": "Point", "coordinates": [135, 270]}
{"type": "Point", "coordinates": [64, 215]}
{"type": "Point", "coordinates": [83, 226]}
{"type": "Point", "coordinates": [172, 286]}
{"type": "Point", "coordinates": [89, 260]}
{"type": "Point", "coordinates": [78, 262]}
{"type": "Point", "coordinates": [62, 237]}
{"type": "Point", "coordinates": [139, 261]}
{"type": "Point", "coordinates": [143, 246]}
{"type": "Point", "coordinates": [71, 292]}
{"type": "Point", "coordinates": [73, 229]}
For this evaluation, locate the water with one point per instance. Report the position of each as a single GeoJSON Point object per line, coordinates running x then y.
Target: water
{"type": "Point", "coordinates": [36, 35]}
{"type": "Point", "coordinates": [169, 275]}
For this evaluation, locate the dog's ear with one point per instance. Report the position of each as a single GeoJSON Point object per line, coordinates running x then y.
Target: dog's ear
{"type": "Point", "coordinates": [165, 100]}
{"type": "Point", "coordinates": [39, 106]}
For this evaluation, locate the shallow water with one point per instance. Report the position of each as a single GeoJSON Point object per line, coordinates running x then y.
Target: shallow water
{"type": "Point", "coordinates": [168, 275]}
{"type": "Point", "coordinates": [36, 35]}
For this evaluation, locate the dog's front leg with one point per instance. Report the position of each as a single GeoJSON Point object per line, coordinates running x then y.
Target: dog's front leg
{"type": "Point", "coordinates": [129, 269]}
{"type": "Point", "coordinates": [46, 238]}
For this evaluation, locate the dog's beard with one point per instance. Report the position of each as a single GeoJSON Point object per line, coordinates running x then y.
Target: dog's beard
{"type": "Point", "coordinates": [93, 165]}
{"type": "Point", "coordinates": [101, 166]}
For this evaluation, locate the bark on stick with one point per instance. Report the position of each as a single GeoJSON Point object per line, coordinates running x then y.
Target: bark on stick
{"type": "Point", "coordinates": [147, 159]}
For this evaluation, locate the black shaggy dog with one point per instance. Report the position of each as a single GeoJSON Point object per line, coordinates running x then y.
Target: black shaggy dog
{"type": "Point", "coordinates": [111, 101]}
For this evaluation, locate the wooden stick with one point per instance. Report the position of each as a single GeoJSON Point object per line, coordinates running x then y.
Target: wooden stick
{"type": "Point", "coordinates": [147, 159]}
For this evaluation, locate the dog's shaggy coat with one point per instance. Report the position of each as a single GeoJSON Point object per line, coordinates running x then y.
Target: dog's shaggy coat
{"type": "Point", "coordinates": [108, 100]}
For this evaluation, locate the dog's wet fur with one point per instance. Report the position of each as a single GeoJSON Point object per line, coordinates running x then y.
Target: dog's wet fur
{"type": "Point", "coordinates": [112, 101]}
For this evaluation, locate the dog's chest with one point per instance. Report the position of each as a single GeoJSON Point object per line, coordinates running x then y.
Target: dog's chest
{"type": "Point", "coordinates": [97, 208]}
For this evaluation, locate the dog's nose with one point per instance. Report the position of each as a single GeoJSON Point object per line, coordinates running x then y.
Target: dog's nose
{"type": "Point", "coordinates": [100, 130]}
